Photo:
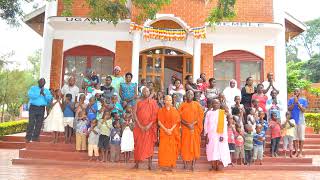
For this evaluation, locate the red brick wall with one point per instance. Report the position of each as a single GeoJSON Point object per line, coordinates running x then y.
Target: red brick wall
{"type": "Point", "coordinates": [269, 60]}
{"type": "Point", "coordinates": [123, 56]}
{"type": "Point", "coordinates": [207, 59]}
{"type": "Point", "coordinates": [194, 12]}
{"type": "Point", "coordinates": [56, 63]}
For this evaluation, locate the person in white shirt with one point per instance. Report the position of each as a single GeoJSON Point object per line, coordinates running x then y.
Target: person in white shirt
{"type": "Point", "coordinates": [71, 88]}
{"type": "Point", "coordinates": [270, 85]}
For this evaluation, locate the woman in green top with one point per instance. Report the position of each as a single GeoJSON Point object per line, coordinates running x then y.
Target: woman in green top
{"type": "Point", "coordinates": [86, 82]}
{"type": "Point", "coordinates": [117, 79]}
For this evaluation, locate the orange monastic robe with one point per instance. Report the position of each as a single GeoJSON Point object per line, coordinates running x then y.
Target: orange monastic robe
{"type": "Point", "coordinates": [169, 144]}
{"type": "Point", "coordinates": [190, 141]}
{"type": "Point", "coordinates": [146, 111]}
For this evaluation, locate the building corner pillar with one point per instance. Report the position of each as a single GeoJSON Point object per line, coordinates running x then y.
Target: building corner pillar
{"type": "Point", "coordinates": [196, 59]}
{"type": "Point", "coordinates": [136, 43]}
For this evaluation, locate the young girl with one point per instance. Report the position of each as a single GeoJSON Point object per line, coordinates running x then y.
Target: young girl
{"type": "Point", "coordinates": [202, 87]}
{"type": "Point", "coordinates": [231, 138]}
{"type": "Point", "coordinates": [115, 141]}
{"type": "Point", "coordinates": [239, 142]}
{"type": "Point", "coordinates": [251, 119]}
{"type": "Point", "coordinates": [289, 126]}
{"type": "Point", "coordinates": [54, 121]}
{"type": "Point", "coordinates": [127, 141]}
{"type": "Point", "coordinates": [80, 106]}
{"type": "Point", "coordinates": [105, 126]}
{"type": "Point", "coordinates": [68, 119]}
{"type": "Point", "coordinates": [275, 128]}
{"type": "Point", "coordinates": [81, 131]}
{"type": "Point", "coordinates": [93, 140]}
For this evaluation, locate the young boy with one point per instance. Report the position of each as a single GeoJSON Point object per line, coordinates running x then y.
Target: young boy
{"type": "Point", "coordinates": [239, 142]}
{"type": "Point", "coordinates": [105, 127]}
{"type": "Point", "coordinates": [258, 139]}
{"type": "Point", "coordinates": [68, 117]}
{"type": "Point", "coordinates": [92, 110]}
{"type": "Point", "coordinates": [93, 140]}
{"type": "Point", "coordinates": [248, 144]}
{"type": "Point", "coordinates": [115, 142]}
{"type": "Point", "coordinates": [81, 131]}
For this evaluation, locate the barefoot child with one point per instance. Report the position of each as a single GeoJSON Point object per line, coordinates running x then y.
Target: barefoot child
{"type": "Point", "coordinates": [54, 122]}
{"type": "Point", "coordinates": [248, 144]}
{"type": "Point", "coordinates": [289, 126]}
{"type": "Point", "coordinates": [258, 139]}
{"type": "Point", "coordinates": [239, 142]}
{"type": "Point", "coordinates": [275, 128]}
{"type": "Point", "coordinates": [115, 141]}
{"type": "Point", "coordinates": [127, 141]}
{"type": "Point", "coordinates": [93, 140]}
{"type": "Point", "coordinates": [81, 131]}
{"type": "Point", "coordinates": [68, 113]}
{"type": "Point", "coordinates": [105, 126]}
{"type": "Point", "coordinates": [231, 139]}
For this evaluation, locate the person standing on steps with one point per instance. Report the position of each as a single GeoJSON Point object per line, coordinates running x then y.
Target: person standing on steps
{"type": "Point", "coordinates": [191, 124]}
{"type": "Point", "coordinates": [39, 98]}
{"type": "Point", "coordinates": [145, 130]}
{"type": "Point", "coordinates": [297, 105]}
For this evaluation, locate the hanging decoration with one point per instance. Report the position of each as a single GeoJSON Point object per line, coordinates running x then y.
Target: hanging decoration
{"type": "Point", "coordinates": [168, 34]}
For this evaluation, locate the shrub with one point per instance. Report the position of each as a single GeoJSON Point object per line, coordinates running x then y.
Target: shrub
{"type": "Point", "coordinates": [13, 127]}
{"type": "Point", "coordinates": [313, 120]}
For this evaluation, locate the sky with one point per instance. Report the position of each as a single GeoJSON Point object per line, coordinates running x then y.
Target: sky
{"type": "Point", "coordinates": [24, 41]}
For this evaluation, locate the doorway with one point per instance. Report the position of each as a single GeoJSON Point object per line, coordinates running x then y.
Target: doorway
{"type": "Point", "coordinates": [159, 64]}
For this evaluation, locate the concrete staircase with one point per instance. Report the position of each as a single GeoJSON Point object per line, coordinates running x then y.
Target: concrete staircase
{"type": "Point", "coordinates": [44, 152]}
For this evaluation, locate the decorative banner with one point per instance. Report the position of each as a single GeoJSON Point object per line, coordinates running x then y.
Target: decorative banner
{"type": "Point", "coordinates": [168, 34]}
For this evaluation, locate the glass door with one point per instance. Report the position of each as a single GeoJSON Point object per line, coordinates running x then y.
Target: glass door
{"type": "Point", "coordinates": [152, 69]}
{"type": "Point", "coordinates": [187, 67]}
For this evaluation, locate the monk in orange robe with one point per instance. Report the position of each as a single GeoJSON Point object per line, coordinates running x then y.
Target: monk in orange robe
{"type": "Point", "coordinates": [169, 122]}
{"type": "Point", "coordinates": [145, 130]}
{"type": "Point", "coordinates": [191, 123]}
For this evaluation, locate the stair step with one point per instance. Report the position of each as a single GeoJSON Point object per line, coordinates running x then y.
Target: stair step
{"type": "Point", "coordinates": [12, 145]}
{"type": "Point", "coordinates": [50, 146]}
{"type": "Point", "coordinates": [43, 138]}
{"type": "Point", "coordinates": [198, 167]}
{"type": "Point", "coordinates": [75, 156]}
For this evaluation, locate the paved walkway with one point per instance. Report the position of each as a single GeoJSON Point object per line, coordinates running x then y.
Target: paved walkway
{"type": "Point", "coordinates": [9, 171]}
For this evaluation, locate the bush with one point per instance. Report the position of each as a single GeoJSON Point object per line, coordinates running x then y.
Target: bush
{"type": "Point", "coordinates": [313, 120]}
{"type": "Point", "coordinates": [13, 127]}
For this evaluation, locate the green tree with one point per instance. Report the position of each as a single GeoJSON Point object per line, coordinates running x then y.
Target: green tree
{"type": "Point", "coordinates": [34, 60]}
{"type": "Point", "coordinates": [311, 69]}
{"type": "Point", "coordinates": [296, 77]}
{"type": "Point", "coordinates": [10, 10]}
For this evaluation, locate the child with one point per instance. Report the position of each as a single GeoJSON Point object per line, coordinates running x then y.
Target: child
{"type": "Point", "coordinates": [93, 140]}
{"type": "Point", "coordinates": [248, 144]}
{"type": "Point", "coordinates": [115, 141]}
{"type": "Point", "coordinates": [143, 84]}
{"type": "Point", "coordinates": [127, 141]}
{"type": "Point", "coordinates": [81, 131]}
{"type": "Point", "coordinates": [94, 78]}
{"type": "Point", "coordinates": [289, 126]}
{"type": "Point", "coordinates": [237, 100]}
{"type": "Point", "coordinates": [116, 117]}
{"type": "Point", "coordinates": [261, 121]}
{"type": "Point", "coordinates": [258, 139]}
{"type": "Point", "coordinates": [105, 126]}
{"type": "Point", "coordinates": [251, 118]}
{"type": "Point", "coordinates": [160, 99]}
{"type": "Point", "coordinates": [237, 117]}
{"type": "Point", "coordinates": [81, 105]}
{"type": "Point", "coordinates": [275, 128]}
{"type": "Point", "coordinates": [201, 87]}
{"type": "Point", "coordinates": [231, 138]}
{"type": "Point", "coordinates": [68, 119]}
{"type": "Point", "coordinates": [239, 142]}
{"type": "Point", "coordinates": [255, 106]}
{"type": "Point", "coordinates": [116, 105]}
{"type": "Point", "coordinates": [92, 109]}
{"type": "Point", "coordinates": [54, 121]}
{"type": "Point", "coordinates": [175, 103]}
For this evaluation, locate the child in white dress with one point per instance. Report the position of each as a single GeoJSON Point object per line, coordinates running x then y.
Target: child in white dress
{"type": "Point", "coordinates": [127, 141]}
{"type": "Point", "coordinates": [54, 121]}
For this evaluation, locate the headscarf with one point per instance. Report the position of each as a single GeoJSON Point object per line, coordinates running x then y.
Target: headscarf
{"type": "Point", "coordinates": [117, 68]}
{"type": "Point", "coordinates": [230, 93]}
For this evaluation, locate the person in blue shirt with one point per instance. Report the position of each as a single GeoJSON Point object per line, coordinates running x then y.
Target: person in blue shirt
{"type": "Point", "coordinates": [39, 98]}
{"type": "Point", "coordinates": [297, 105]}
{"type": "Point", "coordinates": [92, 110]}
{"type": "Point", "coordinates": [258, 139]}
{"type": "Point", "coordinates": [68, 117]}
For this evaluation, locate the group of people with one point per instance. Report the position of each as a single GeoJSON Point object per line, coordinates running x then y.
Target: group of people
{"type": "Point", "coordinates": [120, 117]}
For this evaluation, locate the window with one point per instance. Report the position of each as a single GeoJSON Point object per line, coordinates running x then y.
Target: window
{"type": "Point", "coordinates": [102, 65]}
{"type": "Point", "coordinates": [75, 66]}
{"type": "Point", "coordinates": [238, 65]}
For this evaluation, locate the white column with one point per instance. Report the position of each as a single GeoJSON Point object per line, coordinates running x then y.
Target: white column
{"type": "Point", "coordinates": [136, 40]}
{"type": "Point", "coordinates": [280, 65]}
{"type": "Point", "coordinates": [196, 59]}
{"type": "Point", "coordinates": [45, 64]}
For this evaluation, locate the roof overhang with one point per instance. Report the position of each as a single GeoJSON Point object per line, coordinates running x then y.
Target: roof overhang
{"type": "Point", "coordinates": [294, 27]}
{"type": "Point", "coordinates": [35, 20]}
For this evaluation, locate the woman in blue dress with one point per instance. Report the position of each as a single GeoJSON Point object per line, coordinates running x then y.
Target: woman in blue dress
{"type": "Point", "coordinates": [128, 91]}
